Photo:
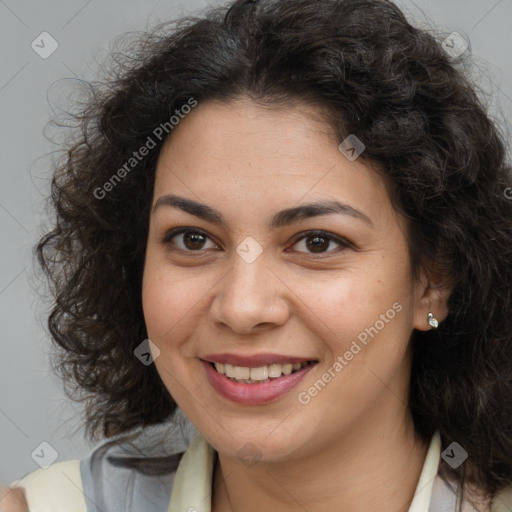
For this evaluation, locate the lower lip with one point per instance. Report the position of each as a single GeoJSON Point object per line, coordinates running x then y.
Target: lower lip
{"type": "Point", "coordinates": [252, 394]}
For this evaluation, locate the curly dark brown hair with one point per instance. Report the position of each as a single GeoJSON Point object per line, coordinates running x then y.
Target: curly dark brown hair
{"type": "Point", "coordinates": [426, 130]}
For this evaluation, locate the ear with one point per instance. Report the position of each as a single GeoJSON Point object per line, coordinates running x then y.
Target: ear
{"type": "Point", "coordinates": [432, 292]}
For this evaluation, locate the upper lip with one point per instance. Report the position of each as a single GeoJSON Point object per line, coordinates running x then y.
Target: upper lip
{"type": "Point", "coordinates": [255, 360]}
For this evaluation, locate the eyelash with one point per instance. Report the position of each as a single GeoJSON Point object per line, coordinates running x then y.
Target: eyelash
{"type": "Point", "coordinates": [344, 244]}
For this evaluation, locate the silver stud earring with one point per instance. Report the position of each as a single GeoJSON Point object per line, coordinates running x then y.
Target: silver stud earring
{"type": "Point", "coordinates": [433, 321]}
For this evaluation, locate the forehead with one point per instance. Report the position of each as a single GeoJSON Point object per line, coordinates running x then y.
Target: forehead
{"type": "Point", "coordinates": [243, 155]}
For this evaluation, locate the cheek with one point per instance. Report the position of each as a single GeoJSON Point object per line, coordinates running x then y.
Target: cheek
{"type": "Point", "coordinates": [364, 324]}
{"type": "Point", "coordinates": [165, 299]}
{"type": "Point", "coordinates": [356, 298]}
{"type": "Point", "coordinates": [155, 302]}
{"type": "Point", "coordinates": [168, 306]}
{"type": "Point", "coordinates": [365, 317]}
{"type": "Point", "coordinates": [175, 305]}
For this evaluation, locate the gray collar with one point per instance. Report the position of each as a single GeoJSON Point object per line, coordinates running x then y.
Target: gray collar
{"type": "Point", "coordinates": [110, 487]}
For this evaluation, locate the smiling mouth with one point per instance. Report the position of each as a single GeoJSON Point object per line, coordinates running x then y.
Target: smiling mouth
{"type": "Point", "coordinates": [259, 375]}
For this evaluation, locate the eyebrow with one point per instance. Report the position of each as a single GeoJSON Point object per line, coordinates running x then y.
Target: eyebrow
{"type": "Point", "coordinates": [280, 219]}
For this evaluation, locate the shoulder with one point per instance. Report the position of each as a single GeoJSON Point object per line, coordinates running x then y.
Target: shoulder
{"type": "Point", "coordinates": [13, 500]}
{"type": "Point", "coordinates": [41, 485]}
{"type": "Point", "coordinates": [111, 476]}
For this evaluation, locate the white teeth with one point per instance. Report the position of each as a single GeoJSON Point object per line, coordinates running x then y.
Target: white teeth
{"type": "Point", "coordinates": [241, 372]}
{"type": "Point", "coordinates": [274, 370]}
{"type": "Point", "coordinates": [287, 369]}
{"type": "Point", "coordinates": [260, 374]}
{"type": "Point", "coordinates": [229, 371]}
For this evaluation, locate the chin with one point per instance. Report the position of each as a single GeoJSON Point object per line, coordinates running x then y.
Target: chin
{"type": "Point", "coordinates": [263, 443]}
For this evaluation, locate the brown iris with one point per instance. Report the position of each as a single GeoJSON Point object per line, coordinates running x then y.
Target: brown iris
{"type": "Point", "coordinates": [317, 242]}
{"type": "Point", "coordinates": [194, 240]}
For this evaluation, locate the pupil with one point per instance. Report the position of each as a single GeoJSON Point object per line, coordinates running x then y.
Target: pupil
{"type": "Point", "coordinates": [317, 242]}
{"type": "Point", "coordinates": [194, 240]}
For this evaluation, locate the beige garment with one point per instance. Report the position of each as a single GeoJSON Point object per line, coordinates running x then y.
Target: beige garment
{"type": "Point", "coordinates": [59, 487]}
{"type": "Point", "coordinates": [55, 489]}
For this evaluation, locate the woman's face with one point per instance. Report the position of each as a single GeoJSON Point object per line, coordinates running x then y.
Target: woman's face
{"type": "Point", "coordinates": [236, 273]}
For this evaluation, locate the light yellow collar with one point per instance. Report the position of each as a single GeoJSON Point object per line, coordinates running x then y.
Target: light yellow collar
{"type": "Point", "coordinates": [191, 490]}
{"type": "Point", "coordinates": [193, 482]}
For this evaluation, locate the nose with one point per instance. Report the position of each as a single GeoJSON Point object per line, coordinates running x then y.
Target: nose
{"type": "Point", "coordinates": [250, 297]}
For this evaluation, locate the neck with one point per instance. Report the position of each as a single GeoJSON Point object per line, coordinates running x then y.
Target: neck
{"type": "Point", "coordinates": [366, 469]}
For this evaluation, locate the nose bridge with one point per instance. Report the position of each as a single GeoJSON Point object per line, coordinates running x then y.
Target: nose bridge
{"type": "Point", "coordinates": [248, 294]}
{"type": "Point", "coordinates": [248, 280]}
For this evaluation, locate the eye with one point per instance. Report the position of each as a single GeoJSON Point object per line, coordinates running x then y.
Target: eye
{"type": "Point", "coordinates": [188, 239]}
{"type": "Point", "coordinates": [317, 242]}
{"type": "Point", "coordinates": [194, 240]}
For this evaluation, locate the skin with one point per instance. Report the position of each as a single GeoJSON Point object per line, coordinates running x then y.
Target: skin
{"type": "Point", "coordinates": [13, 500]}
{"type": "Point", "coordinates": [353, 445]}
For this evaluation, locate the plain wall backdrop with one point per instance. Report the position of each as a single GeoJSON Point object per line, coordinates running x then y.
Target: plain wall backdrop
{"type": "Point", "coordinates": [33, 407]}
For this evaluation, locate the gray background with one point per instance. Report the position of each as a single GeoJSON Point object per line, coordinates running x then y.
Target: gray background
{"type": "Point", "coordinates": [33, 407]}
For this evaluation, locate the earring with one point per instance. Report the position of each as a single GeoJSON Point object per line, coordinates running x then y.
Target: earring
{"type": "Point", "coordinates": [433, 321]}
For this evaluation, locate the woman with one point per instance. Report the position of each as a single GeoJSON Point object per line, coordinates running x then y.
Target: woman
{"type": "Point", "coordinates": [290, 222]}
